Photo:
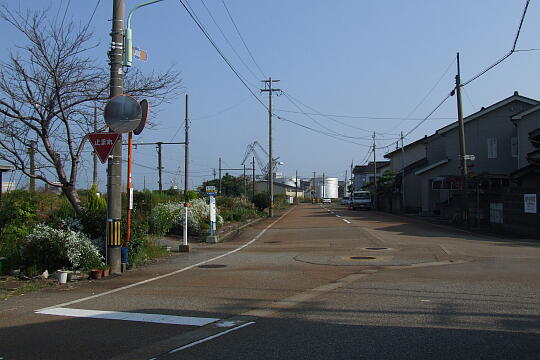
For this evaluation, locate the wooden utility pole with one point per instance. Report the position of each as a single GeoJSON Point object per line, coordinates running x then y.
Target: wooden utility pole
{"type": "Point", "coordinates": [268, 88]}
{"type": "Point", "coordinates": [462, 151]}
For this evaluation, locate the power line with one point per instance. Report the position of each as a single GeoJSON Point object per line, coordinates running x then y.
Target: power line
{"type": "Point", "coordinates": [367, 117]}
{"type": "Point", "coordinates": [242, 38]}
{"type": "Point", "coordinates": [290, 98]}
{"type": "Point", "coordinates": [227, 40]}
{"type": "Point", "coordinates": [507, 55]}
{"type": "Point", "coordinates": [221, 53]}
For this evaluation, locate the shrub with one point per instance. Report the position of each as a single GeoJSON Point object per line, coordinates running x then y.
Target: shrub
{"type": "Point", "coordinates": [163, 217]}
{"type": "Point", "coordinates": [51, 249]}
{"type": "Point", "coordinates": [12, 239]}
{"type": "Point", "coordinates": [261, 201]}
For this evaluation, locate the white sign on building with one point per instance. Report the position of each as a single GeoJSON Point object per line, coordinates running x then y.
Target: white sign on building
{"type": "Point", "coordinates": [529, 203]}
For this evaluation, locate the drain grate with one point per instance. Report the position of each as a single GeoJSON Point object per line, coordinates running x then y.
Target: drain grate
{"type": "Point", "coordinates": [362, 257]}
{"type": "Point", "coordinates": [211, 266]}
{"type": "Point", "coordinates": [376, 248]}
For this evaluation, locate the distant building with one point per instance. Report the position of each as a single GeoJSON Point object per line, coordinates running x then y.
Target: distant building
{"type": "Point", "coordinates": [365, 174]}
{"type": "Point", "coordinates": [279, 188]}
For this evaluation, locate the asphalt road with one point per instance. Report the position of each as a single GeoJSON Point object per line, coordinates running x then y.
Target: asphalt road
{"type": "Point", "coordinates": [321, 282]}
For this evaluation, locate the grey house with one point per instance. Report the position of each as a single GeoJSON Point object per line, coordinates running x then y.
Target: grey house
{"type": "Point", "coordinates": [365, 174]}
{"type": "Point", "coordinates": [491, 135]}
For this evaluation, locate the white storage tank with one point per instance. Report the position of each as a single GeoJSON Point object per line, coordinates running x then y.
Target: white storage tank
{"type": "Point", "coordinates": [329, 189]}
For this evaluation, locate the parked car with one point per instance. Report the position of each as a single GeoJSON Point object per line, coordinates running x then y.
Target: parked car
{"type": "Point", "coordinates": [345, 200]}
{"type": "Point", "coordinates": [326, 200]}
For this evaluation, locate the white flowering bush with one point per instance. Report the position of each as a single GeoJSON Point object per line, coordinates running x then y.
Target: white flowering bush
{"type": "Point", "coordinates": [169, 217]}
{"type": "Point", "coordinates": [51, 249]}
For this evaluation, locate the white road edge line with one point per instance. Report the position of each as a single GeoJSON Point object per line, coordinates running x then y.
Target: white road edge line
{"type": "Point", "coordinates": [347, 221]}
{"type": "Point", "coordinates": [171, 273]}
{"type": "Point", "coordinates": [338, 215]}
{"type": "Point", "coordinates": [211, 337]}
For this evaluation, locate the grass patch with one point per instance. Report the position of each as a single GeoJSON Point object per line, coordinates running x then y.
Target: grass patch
{"type": "Point", "coordinates": [16, 287]}
{"type": "Point", "coordinates": [147, 251]}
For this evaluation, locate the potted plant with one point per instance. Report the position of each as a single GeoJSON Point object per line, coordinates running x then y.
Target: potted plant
{"type": "Point", "coordinates": [106, 270]}
{"type": "Point", "coordinates": [95, 274]}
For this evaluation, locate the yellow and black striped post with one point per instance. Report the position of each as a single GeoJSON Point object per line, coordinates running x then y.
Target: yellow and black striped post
{"type": "Point", "coordinates": [114, 236]}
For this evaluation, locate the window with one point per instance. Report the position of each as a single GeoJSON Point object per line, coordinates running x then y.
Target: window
{"type": "Point", "coordinates": [492, 148]}
{"type": "Point", "coordinates": [514, 146]}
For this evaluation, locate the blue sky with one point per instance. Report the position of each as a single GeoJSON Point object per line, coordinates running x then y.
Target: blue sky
{"type": "Point", "coordinates": [370, 59]}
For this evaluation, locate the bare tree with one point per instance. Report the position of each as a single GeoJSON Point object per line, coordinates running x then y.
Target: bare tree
{"type": "Point", "coordinates": [49, 88]}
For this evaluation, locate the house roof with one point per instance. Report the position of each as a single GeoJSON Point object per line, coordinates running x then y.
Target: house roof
{"type": "Point", "coordinates": [362, 169]}
{"type": "Point", "coordinates": [484, 111]}
{"type": "Point", "coordinates": [430, 167]}
{"type": "Point", "coordinates": [416, 142]}
{"type": "Point", "coordinates": [522, 114]}
{"type": "Point", "coordinates": [526, 170]}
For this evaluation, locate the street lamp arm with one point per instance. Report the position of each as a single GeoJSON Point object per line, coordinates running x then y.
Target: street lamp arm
{"type": "Point", "coordinates": [128, 45]}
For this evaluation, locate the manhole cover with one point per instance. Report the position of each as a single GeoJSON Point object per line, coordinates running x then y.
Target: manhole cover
{"type": "Point", "coordinates": [212, 266]}
{"type": "Point", "coordinates": [376, 248]}
{"type": "Point", "coordinates": [272, 242]}
{"type": "Point", "coordinates": [362, 257]}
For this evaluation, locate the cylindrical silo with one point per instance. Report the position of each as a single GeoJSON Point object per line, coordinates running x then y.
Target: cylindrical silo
{"type": "Point", "coordinates": [329, 189]}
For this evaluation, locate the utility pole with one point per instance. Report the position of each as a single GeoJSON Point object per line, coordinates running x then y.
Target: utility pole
{"type": "Point", "coordinates": [402, 175]}
{"type": "Point", "coordinates": [32, 155]}
{"type": "Point", "coordinates": [313, 187]}
{"type": "Point", "coordinates": [114, 168]}
{"type": "Point", "coordinates": [95, 169]}
{"type": "Point", "coordinates": [345, 185]}
{"type": "Point", "coordinates": [462, 151]}
{"type": "Point", "coordinates": [186, 155]}
{"type": "Point", "coordinates": [296, 187]}
{"type": "Point", "coordinates": [375, 171]}
{"type": "Point", "coordinates": [253, 169]}
{"type": "Point", "coordinates": [268, 88]}
{"type": "Point", "coordinates": [245, 181]}
{"type": "Point", "coordinates": [184, 247]}
{"type": "Point", "coordinates": [160, 167]}
{"type": "Point", "coordinates": [219, 190]}
{"type": "Point", "coordinates": [323, 187]}
{"type": "Point", "coordinates": [352, 178]}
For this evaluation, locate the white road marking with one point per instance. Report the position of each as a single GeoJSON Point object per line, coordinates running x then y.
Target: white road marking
{"type": "Point", "coordinates": [171, 273]}
{"type": "Point", "coordinates": [129, 316]}
{"type": "Point", "coordinates": [338, 215]}
{"type": "Point", "coordinates": [211, 337]}
{"type": "Point", "coordinates": [425, 300]}
{"type": "Point", "coordinates": [347, 221]}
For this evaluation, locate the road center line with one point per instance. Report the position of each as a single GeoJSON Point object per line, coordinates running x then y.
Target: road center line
{"type": "Point", "coordinates": [171, 273]}
{"type": "Point", "coordinates": [347, 221]}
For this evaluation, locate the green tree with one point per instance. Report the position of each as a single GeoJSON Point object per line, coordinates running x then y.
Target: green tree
{"type": "Point", "coordinates": [230, 185]}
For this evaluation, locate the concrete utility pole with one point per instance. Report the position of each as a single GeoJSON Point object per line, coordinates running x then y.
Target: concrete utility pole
{"type": "Point", "coordinates": [184, 247]}
{"type": "Point", "coordinates": [219, 172]}
{"type": "Point", "coordinates": [32, 156]}
{"type": "Point", "coordinates": [323, 187]}
{"type": "Point", "coordinates": [296, 187]}
{"type": "Point", "coordinates": [462, 151]}
{"type": "Point", "coordinates": [245, 181]}
{"type": "Point", "coordinates": [95, 169]}
{"type": "Point", "coordinates": [160, 167]}
{"type": "Point", "coordinates": [402, 174]}
{"type": "Point", "coordinates": [186, 155]}
{"type": "Point", "coordinates": [114, 168]}
{"type": "Point", "coordinates": [374, 171]}
{"type": "Point", "coordinates": [253, 168]}
{"type": "Point", "coordinates": [313, 187]}
{"type": "Point", "coordinates": [352, 177]}
{"type": "Point", "coordinates": [345, 185]}
{"type": "Point", "coordinates": [268, 88]}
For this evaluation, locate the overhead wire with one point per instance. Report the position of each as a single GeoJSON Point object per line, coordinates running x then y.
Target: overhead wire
{"type": "Point", "coordinates": [229, 64]}
{"type": "Point", "coordinates": [227, 40]}
{"type": "Point", "coordinates": [242, 38]}
{"type": "Point", "coordinates": [507, 55]}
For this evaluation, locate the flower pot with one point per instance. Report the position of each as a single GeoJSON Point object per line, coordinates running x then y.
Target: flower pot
{"type": "Point", "coordinates": [62, 277]}
{"type": "Point", "coordinates": [106, 272]}
{"type": "Point", "coordinates": [96, 274]}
